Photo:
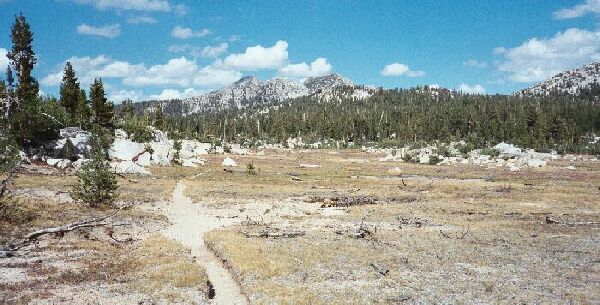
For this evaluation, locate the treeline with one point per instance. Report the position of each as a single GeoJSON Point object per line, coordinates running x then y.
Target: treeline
{"type": "Point", "coordinates": [29, 120]}
{"type": "Point", "coordinates": [403, 116]}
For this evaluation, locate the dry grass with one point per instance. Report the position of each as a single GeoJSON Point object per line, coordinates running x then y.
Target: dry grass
{"type": "Point", "coordinates": [88, 266]}
{"type": "Point", "coordinates": [481, 233]}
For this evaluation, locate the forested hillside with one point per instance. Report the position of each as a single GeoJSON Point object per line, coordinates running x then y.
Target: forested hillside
{"type": "Point", "coordinates": [405, 116]}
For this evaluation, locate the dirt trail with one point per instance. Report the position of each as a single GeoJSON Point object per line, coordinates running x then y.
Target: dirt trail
{"type": "Point", "coordinates": [190, 223]}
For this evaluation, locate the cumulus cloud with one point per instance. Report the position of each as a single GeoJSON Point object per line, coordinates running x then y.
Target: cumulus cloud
{"type": "Point", "coordinates": [540, 58]}
{"type": "Point", "coordinates": [214, 51]}
{"type": "Point", "coordinates": [318, 67]}
{"type": "Point", "coordinates": [187, 33]}
{"type": "Point", "coordinates": [258, 58]}
{"type": "Point", "coordinates": [474, 89]}
{"type": "Point", "coordinates": [87, 68]}
{"type": "Point", "coordinates": [3, 60]}
{"type": "Point", "coordinates": [141, 19]}
{"type": "Point", "coordinates": [474, 63]}
{"type": "Point", "coordinates": [133, 5]}
{"type": "Point", "coordinates": [176, 71]}
{"type": "Point", "coordinates": [118, 96]}
{"type": "Point", "coordinates": [215, 77]}
{"type": "Point", "coordinates": [108, 31]}
{"type": "Point", "coordinates": [398, 69]}
{"type": "Point", "coordinates": [180, 72]}
{"type": "Point", "coordinates": [171, 94]}
{"type": "Point", "coordinates": [587, 7]}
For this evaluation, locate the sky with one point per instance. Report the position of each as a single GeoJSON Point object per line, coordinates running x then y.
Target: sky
{"type": "Point", "coordinates": [148, 49]}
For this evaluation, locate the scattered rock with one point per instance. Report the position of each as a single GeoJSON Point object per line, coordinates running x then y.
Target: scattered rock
{"type": "Point", "coordinates": [129, 167]}
{"type": "Point", "coordinates": [229, 162]}
{"type": "Point", "coordinates": [309, 165]}
{"type": "Point", "coordinates": [125, 150]}
{"type": "Point", "coordinates": [536, 163]}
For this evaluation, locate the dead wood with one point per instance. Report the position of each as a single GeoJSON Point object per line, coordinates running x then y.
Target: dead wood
{"type": "Point", "coordinates": [60, 231]}
{"type": "Point", "coordinates": [380, 269]}
{"type": "Point", "coordinates": [550, 220]}
{"type": "Point", "coordinates": [252, 228]}
{"type": "Point", "coordinates": [200, 174]}
{"type": "Point", "coordinates": [125, 177]}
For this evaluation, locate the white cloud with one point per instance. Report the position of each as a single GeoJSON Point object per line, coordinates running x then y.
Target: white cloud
{"type": "Point", "coordinates": [538, 59]}
{"type": "Point", "coordinates": [589, 6]}
{"type": "Point", "coordinates": [177, 71]}
{"type": "Point", "coordinates": [258, 58]}
{"type": "Point", "coordinates": [133, 5]}
{"type": "Point", "coordinates": [87, 68]}
{"type": "Point", "coordinates": [187, 33]}
{"type": "Point", "coordinates": [108, 31]}
{"type": "Point", "coordinates": [3, 60]}
{"type": "Point", "coordinates": [215, 77]}
{"type": "Point", "coordinates": [474, 63]}
{"type": "Point", "coordinates": [118, 96]}
{"type": "Point", "coordinates": [141, 19]}
{"type": "Point", "coordinates": [318, 67]}
{"type": "Point", "coordinates": [474, 89]}
{"type": "Point", "coordinates": [171, 94]}
{"type": "Point", "coordinates": [499, 50]}
{"type": "Point", "coordinates": [206, 52]}
{"type": "Point", "coordinates": [398, 69]}
{"type": "Point", "coordinates": [214, 51]}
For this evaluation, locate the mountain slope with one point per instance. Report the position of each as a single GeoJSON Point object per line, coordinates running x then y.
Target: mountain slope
{"type": "Point", "coordinates": [568, 82]}
{"type": "Point", "coordinates": [249, 91]}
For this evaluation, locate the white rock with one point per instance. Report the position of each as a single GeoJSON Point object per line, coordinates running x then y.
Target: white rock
{"type": "Point", "coordinates": [77, 164]}
{"type": "Point", "coordinates": [120, 134]}
{"type": "Point", "coordinates": [78, 137]}
{"type": "Point", "coordinates": [302, 165]}
{"type": "Point", "coordinates": [260, 153]}
{"type": "Point", "coordinates": [536, 163]}
{"type": "Point", "coordinates": [513, 168]}
{"type": "Point", "coordinates": [59, 163]}
{"type": "Point", "coordinates": [228, 162]}
{"type": "Point", "coordinates": [125, 150]}
{"type": "Point", "coordinates": [163, 153]}
{"type": "Point", "coordinates": [424, 159]}
{"type": "Point", "coordinates": [191, 149]}
{"type": "Point", "coordinates": [508, 149]}
{"type": "Point", "coordinates": [53, 162]}
{"type": "Point", "coordinates": [128, 167]}
{"type": "Point", "coordinates": [144, 159]}
{"type": "Point", "coordinates": [571, 167]}
{"type": "Point", "coordinates": [188, 163]}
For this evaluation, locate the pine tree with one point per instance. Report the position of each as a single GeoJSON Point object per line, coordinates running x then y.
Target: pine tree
{"type": "Point", "coordinates": [96, 185]}
{"type": "Point", "coordinates": [25, 105]}
{"type": "Point", "coordinates": [84, 112]}
{"type": "Point", "coordinates": [23, 59]}
{"type": "Point", "coordinates": [102, 109]}
{"type": "Point", "coordinates": [70, 93]}
{"type": "Point", "coordinates": [159, 121]}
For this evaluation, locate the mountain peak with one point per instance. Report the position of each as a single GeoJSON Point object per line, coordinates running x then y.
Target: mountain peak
{"type": "Point", "coordinates": [567, 82]}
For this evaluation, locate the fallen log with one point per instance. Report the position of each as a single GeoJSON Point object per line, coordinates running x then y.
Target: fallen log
{"type": "Point", "coordinates": [9, 249]}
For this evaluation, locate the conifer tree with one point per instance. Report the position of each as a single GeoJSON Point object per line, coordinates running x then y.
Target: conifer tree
{"type": "Point", "coordinates": [23, 59]}
{"type": "Point", "coordinates": [84, 112]}
{"type": "Point", "coordinates": [70, 93]}
{"type": "Point", "coordinates": [159, 121]}
{"type": "Point", "coordinates": [103, 110]}
{"type": "Point", "coordinates": [96, 184]}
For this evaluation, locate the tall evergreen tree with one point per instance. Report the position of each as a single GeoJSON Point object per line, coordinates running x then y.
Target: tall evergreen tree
{"type": "Point", "coordinates": [23, 59]}
{"type": "Point", "coordinates": [70, 92]}
{"type": "Point", "coordinates": [159, 121]}
{"type": "Point", "coordinates": [84, 112]}
{"type": "Point", "coordinates": [103, 110]}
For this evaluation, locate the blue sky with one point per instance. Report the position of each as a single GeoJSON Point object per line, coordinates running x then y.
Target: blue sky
{"type": "Point", "coordinates": [174, 48]}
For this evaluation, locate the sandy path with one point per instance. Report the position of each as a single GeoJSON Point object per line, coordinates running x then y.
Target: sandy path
{"type": "Point", "coordinates": [190, 222]}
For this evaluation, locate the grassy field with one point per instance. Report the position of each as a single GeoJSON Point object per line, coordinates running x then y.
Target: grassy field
{"type": "Point", "coordinates": [411, 234]}
{"type": "Point", "coordinates": [456, 234]}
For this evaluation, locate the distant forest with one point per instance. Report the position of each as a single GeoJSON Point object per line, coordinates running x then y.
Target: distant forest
{"type": "Point", "coordinates": [403, 116]}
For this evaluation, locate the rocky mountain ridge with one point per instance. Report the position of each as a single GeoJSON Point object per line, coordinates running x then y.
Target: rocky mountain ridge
{"type": "Point", "coordinates": [250, 91]}
{"type": "Point", "coordinates": [567, 82]}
